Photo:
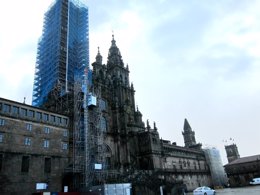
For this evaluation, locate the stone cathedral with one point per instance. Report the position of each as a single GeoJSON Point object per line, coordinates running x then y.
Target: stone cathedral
{"type": "Point", "coordinates": [134, 148]}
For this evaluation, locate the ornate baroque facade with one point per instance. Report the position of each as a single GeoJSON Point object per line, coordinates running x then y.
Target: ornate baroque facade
{"type": "Point", "coordinates": [134, 146]}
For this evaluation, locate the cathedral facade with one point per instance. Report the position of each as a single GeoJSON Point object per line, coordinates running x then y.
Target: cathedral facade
{"type": "Point", "coordinates": [134, 147]}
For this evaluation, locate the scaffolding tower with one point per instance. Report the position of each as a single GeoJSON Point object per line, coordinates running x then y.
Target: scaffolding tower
{"type": "Point", "coordinates": [62, 49]}
{"type": "Point", "coordinates": [81, 164]}
{"type": "Point", "coordinates": [97, 132]}
{"type": "Point", "coordinates": [61, 77]}
{"type": "Point", "coordinates": [89, 148]}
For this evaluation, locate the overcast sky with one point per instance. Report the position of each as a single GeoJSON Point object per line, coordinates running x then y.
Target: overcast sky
{"type": "Point", "coordinates": [194, 59]}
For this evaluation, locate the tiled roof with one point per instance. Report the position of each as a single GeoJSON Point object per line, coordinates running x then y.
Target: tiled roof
{"type": "Point", "coordinates": [245, 160]}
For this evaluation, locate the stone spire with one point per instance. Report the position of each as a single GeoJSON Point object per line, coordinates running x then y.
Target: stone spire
{"type": "Point", "coordinates": [114, 55]}
{"type": "Point", "coordinates": [154, 126]}
{"type": "Point", "coordinates": [186, 126]}
{"type": "Point", "coordinates": [113, 41]}
{"type": "Point", "coordinates": [188, 135]}
{"type": "Point", "coordinates": [148, 125]}
{"type": "Point", "coordinates": [98, 58]}
{"type": "Point", "coordinates": [132, 86]}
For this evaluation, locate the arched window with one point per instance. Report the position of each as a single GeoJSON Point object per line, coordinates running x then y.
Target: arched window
{"type": "Point", "coordinates": [103, 124]}
{"type": "Point", "coordinates": [102, 104]}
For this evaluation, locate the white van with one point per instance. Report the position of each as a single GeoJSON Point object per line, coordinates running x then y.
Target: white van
{"type": "Point", "coordinates": [255, 181]}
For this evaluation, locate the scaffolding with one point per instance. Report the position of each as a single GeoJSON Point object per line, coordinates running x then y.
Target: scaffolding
{"type": "Point", "coordinates": [89, 163]}
{"type": "Point", "coordinates": [213, 158]}
{"type": "Point", "coordinates": [97, 130]}
{"type": "Point", "coordinates": [62, 82]}
{"type": "Point", "coordinates": [61, 76]}
{"type": "Point", "coordinates": [80, 134]}
{"type": "Point", "coordinates": [63, 49]}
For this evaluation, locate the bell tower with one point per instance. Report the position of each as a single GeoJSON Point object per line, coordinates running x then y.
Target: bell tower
{"type": "Point", "coordinates": [189, 136]}
{"type": "Point", "coordinates": [232, 152]}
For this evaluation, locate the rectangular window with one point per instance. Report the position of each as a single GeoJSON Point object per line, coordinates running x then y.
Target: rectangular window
{"type": "Point", "coordinates": [103, 124]}
{"type": "Point", "coordinates": [46, 143]}
{"type": "Point", "coordinates": [45, 117]}
{"type": "Point", "coordinates": [23, 112]}
{"type": "Point", "coordinates": [25, 164]}
{"type": "Point", "coordinates": [1, 161]}
{"type": "Point", "coordinates": [59, 120]}
{"type": "Point", "coordinates": [2, 122]}
{"type": "Point", "coordinates": [1, 106]}
{"type": "Point", "coordinates": [7, 108]}
{"type": "Point", "coordinates": [65, 121]}
{"type": "Point", "coordinates": [47, 130]}
{"type": "Point", "coordinates": [29, 127]}
{"type": "Point", "coordinates": [64, 146]}
{"type": "Point", "coordinates": [31, 113]}
{"type": "Point", "coordinates": [108, 162]}
{"type": "Point", "coordinates": [1, 137]}
{"type": "Point", "coordinates": [38, 115]}
{"type": "Point", "coordinates": [52, 119]}
{"type": "Point", "coordinates": [65, 133]}
{"type": "Point", "coordinates": [47, 165]}
{"type": "Point", "coordinates": [15, 110]}
{"type": "Point", "coordinates": [102, 105]}
{"type": "Point", "coordinates": [27, 141]}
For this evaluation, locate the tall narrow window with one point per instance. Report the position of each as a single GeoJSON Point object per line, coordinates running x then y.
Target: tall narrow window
{"type": "Point", "coordinates": [23, 112]}
{"type": "Point", "coordinates": [29, 127]}
{"type": "Point", "coordinates": [1, 137]}
{"type": "Point", "coordinates": [45, 117]}
{"type": "Point", "coordinates": [195, 165]}
{"type": "Point", "coordinates": [64, 146]}
{"type": "Point", "coordinates": [102, 105]}
{"type": "Point", "coordinates": [108, 162]}
{"type": "Point", "coordinates": [2, 122]}
{"type": "Point", "coordinates": [25, 164]}
{"type": "Point", "coordinates": [31, 113]}
{"type": "Point", "coordinates": [15, 110]}
{"type": "Point", "coordinates": [65, 133]}
{"type": "Point", "coordinates": [52, 119]}
{"type": "Point", "coordinates": [46, 143]}
{"type": "Point", "coordinates": [65, 121]}
{"type": "Point", "coordinates": [47, 130]}
{"type": "Point", "coordinates": [7, 108]}
{"type": "Point", "coordinates": [38, 115]}
{"type": "Point", "coordinates": [59, 120]}
{"type": "Point", "coordinates": [47, 165]}
{"type": "Point", "coordinates": [27, 141]}
{"type": "Point", "coordinates": [103, 124]}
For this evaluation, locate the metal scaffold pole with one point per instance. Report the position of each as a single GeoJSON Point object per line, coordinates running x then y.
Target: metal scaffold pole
{"type": "Point", "coordinates": [97, 144]}
{"type": "Point", "coordinates": [81, 167]}
{"type": "Point", "coordinates": [87, 165]}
